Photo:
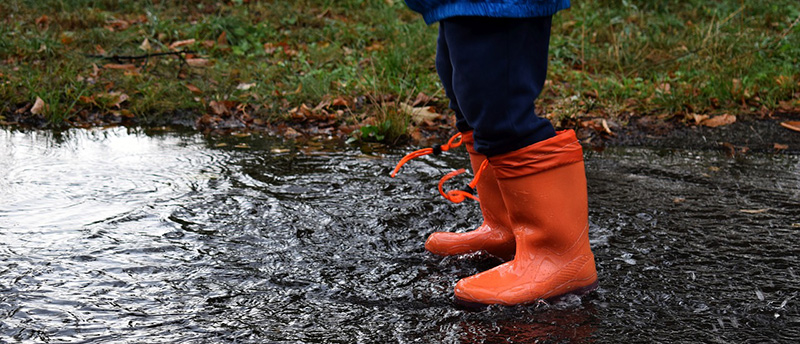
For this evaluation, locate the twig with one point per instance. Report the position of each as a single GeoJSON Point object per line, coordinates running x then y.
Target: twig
{"type": "Point", "coordinates": [146, 57]}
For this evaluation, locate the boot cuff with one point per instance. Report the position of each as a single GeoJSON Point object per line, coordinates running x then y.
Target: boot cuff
{"type": "Point", "coordinates": [562, 149]}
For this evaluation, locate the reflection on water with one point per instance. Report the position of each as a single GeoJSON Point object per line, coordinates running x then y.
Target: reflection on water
{"type": "Point", "coordinates": [117, 236]}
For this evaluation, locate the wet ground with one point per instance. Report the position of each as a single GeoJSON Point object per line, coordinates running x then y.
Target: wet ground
{"type": "Point", "coordinates": [119, 236]}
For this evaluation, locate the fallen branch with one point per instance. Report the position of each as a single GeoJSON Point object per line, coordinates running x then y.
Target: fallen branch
{"type": "Point", "coordinates": [146, 57]}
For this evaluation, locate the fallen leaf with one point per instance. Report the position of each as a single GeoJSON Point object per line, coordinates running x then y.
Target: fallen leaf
{"type": "Point", "coordinates": [422, 99]}
{"type": "Point", "coordinates": [779, 146]}
{"type": "Point", "coordinates": [43, 20]}
{"type": "Point", "coordinates": [38, 106]}
{"type": "Point", "coordinates": [221, 144]}
{"type": "Point", "coordinates": [116, 66]}
{"type": "Point", "coordinates": [720, 120]}
{"type": "Point", "coordinates": [290, 133]}
{"type": "Point", "coordinates": [198, 62]}
{"type": "Point", "coordinates": [419, 114]}
{"type": "Point", "coordinates": [753, 211]}
{"type": "Point", "coordinates": [223, 38]}
{"type": "Point", "coordinates": [794, 125]}
{"type": "Point", "coordinates": [244, 86]}
{"type": "Point", "coordinates": [87, 100]}
{"type": "Point", "coordinates": [340, 102]}
{"type": "Point", "coordinates": [242, 146]}
{"type": "Point", "coordinates": [146, 45]}
{"type": "Point", "coordinates": [183, 43]}
{"type": "Point", "coordinates": [66, 39]}
{"type": "Point", "coordinates": [606, 128]}
{"type": "Point", "coordinates": [376, 46]}
{"type": "Point", "coordinates": [194, 89]}
{"type": "Point", "coordinates": [699, 118]}
{"type": "Point", "coordinates": [218, 108]}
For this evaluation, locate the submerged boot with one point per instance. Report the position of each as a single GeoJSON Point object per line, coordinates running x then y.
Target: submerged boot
{"type": "Point", "coordinates": [544, 189]}
{"type": "Point", "coordinates": [493, 236]}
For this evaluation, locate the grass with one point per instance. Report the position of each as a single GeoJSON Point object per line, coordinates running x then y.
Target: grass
{"type": "Point", "coordinates": [263, 59]}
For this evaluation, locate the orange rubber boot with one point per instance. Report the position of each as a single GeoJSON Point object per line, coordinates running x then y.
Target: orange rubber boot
{"type": "Point", "coordinates": [493, 236]}
{"type": "Point", "coordinates": [544, 188]}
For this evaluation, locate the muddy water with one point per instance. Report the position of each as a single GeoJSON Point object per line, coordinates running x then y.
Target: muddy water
{"type": "Point", "coordinates": [119, 236]}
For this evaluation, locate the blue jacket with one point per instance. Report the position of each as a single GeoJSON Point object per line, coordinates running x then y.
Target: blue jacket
{"type": "Point", "coordinates": [435, 10]}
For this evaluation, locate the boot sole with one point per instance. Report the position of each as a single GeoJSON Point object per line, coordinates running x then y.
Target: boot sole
{"type": "Point", "coordinates": [471, 305]}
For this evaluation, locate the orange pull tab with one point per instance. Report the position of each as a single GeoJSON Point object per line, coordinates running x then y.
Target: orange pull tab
{"type": "Point", "coordinates": [455, 196]}
{"type": "Point", "coordinates": [453, 142]}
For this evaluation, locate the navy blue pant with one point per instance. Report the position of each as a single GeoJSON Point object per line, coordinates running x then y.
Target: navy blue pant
{"type": "Point", "coordinates": [492, 70]}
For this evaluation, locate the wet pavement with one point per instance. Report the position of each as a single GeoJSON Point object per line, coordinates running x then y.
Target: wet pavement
{"type": "Point", "coordinates": [123, 236]}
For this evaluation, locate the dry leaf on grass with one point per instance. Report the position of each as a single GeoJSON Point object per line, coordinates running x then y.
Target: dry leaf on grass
{"type": "Point", "coordinates": [699, 118]}
{"type": "Point", "coordinates": [183, 43]}
{"type": "Point", "coordinates": [116, 66]}
{"type": "Point", "coordinates": [720, 120]}
{"type": "Point", "coordinates": [198, 62]}
{"type": "Point", "coordinates": [218, 108]}
{"type": "Point", "coordinates": [419, 114]}
{"type": "Point", "coordinates": [245, 87]}
{"type": "Point", "coordinates": [146, 46]}
{"type": "Point", "coordinates": [194, 89]}
{"type": "Point", "coordinates": [38, 106]}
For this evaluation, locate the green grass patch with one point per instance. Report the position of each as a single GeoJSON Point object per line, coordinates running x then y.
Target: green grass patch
{"type": "Point", "coordinates": [261, 59]}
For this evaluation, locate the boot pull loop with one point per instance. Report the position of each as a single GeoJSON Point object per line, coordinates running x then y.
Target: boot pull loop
{"type": "Point", "coordinates": [474, 181]}
{"type": "Point", "coordinates": [453, 142]}
{"type": "Point", "coordinates": [456, 196]}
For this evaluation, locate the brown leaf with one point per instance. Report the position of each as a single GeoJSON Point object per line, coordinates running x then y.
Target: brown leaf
{"type": "Point", "coordinates": [182, 43]}
{"type": "Point", "coordinates": [718, 121]}
{"type": "Point", "coordinates": [421, 99]}
{"type": "Point", "coordinates": [245, 86]}
{"type": "Point", "coordinates": [780, 146]}
{"type": "Point", "coordinates": [87, 100]}
{"type": "Point", "coordinates": [146, 45]}
{"type": "Point", "coordinates": [194, 89]}
{"type": "Point", "coordinates": [43, 20]}
{"type": "Point", "coordinates": [419, 114]}
{"type": "Point", "coordinates": [376, 46]}
{"type": "Point", "coordinates": [699, 118]}
{"type": "Point", "coordinates": [66, 39]}
{"type": "Point", "coordinates": [340, 102]}
{"type": "Point", "coordinates": [38, 106]}
{"type": "Point", "coordinates": [116, 66]}
{"type": "Point", "coordinates": [793, 125]}
{"type": "Point", "coordinates": [198, 62]}
{"type": "Point", "coordinates": [223, 38]}
{"type": "Point", "coordinates": [218, 108]}
{"type": "Point", "coordinates": [606, 128]}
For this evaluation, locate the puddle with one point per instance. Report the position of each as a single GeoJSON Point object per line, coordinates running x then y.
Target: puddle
{"type": "Point", "coordinates": [118, 236]}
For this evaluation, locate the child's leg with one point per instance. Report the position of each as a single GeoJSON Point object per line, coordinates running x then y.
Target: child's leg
{"type": "Point", "coordinates": [492, 70]}
{"type": "Point", "coordinates": [445, 69]}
